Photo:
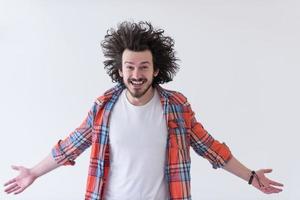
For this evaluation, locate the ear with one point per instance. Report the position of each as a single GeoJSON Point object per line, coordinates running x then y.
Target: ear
{"type": "Point", "coordinates": [120, 72]}
{"type": "Point", "coordinates": [156, 72]}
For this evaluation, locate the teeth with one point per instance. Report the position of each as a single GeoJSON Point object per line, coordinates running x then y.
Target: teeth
{"type": "Point", "coordinates": [137, 82]}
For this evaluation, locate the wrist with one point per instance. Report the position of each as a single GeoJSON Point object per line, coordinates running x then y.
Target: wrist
{"type": "Point", "coordinates": [34, 173]}
{"type": "Point", "coordinates": [252, 176]}
{"type": "Point", "coordinates": [254, 180]}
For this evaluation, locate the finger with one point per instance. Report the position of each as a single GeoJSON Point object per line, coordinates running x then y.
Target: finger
{"type": "Point", "coordinates": [271, 182]}
{"type": "Point", "coordinates": [12, 188]}
{"type": "Point", "coordinates": [10, 181]}
{"type": "Point", "coordinates": [275, 183]}
{"type": "Point", "coordinates": [273, 189]}
{"type": "Point", "coordinates": [19, 190]}
{"type": "Point", "coordinates": [268, 192]}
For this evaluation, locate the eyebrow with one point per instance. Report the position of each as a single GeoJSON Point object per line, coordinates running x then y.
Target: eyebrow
{"type": "Point", "coordinates": [144, 62]}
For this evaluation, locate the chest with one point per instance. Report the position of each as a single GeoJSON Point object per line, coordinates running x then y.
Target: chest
{"type": "Point", "coordinates": [138, 127]}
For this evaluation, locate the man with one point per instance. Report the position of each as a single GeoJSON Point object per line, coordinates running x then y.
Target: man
{"type": "Point", "coordinates": [140, 133]}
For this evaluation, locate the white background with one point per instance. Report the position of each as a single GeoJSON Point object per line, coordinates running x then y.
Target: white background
{"type": "Point", "coordinates": [239, 70]}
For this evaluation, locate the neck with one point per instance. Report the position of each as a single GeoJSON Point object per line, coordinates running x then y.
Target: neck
{"type": "Point", "coordinates": [141, 100]}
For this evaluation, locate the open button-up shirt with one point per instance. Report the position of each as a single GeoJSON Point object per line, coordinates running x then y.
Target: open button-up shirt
{"type": "Point", "coordinates": [183, 131]}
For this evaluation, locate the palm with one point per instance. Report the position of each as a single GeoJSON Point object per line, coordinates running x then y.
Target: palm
{"type": "Point", "coordinates": [264, 184]}
{"type": "Point", "coordinates": [21, 182]}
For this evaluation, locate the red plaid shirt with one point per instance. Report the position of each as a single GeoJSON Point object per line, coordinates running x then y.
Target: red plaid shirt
{"type": "Point", "coordinates": [183, 131]}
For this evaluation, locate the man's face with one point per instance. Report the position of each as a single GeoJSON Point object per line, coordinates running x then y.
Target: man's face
{"type": "Point", "coordinates": [137, 71]}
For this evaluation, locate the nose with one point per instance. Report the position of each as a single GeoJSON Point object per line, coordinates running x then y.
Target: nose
{"type": "Point", "coordinates": [136, 74]}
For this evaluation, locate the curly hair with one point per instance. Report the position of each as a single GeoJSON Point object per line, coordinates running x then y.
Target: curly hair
{"type": "Point", "coordinates": [139, 37]}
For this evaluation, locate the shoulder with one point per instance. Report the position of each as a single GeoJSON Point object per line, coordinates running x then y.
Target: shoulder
{"type": "Point", "coordinates": [108, 94]}
{"type": "Point", "coordinates": [178, 97]}
{"type": "Point", "coordinates": [175, 97]}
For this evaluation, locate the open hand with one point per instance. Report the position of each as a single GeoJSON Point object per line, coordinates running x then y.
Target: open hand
{"type": "Point", "coordinates": [264, 184]}
{"type": "Point", "coordinates": [21, 182]}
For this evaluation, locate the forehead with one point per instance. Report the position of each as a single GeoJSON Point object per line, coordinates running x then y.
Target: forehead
{"type": "Point", "coordinates": [136, 57]}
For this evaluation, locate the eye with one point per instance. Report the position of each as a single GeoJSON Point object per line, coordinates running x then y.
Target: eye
{"type": "Point", "coordinates": [144, 67]}
{"type": "Point", "coordinates": [129, 67]}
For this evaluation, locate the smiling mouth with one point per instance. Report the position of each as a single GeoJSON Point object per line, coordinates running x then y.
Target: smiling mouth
{"type": "Point", "coordinates": [137, 83]}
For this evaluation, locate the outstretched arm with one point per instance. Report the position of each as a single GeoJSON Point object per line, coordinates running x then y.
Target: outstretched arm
{"type": "Point", "coordinates": [28, 175]}
{"type": "Point", "coordinates": [63, 153]}
{"type": "Point", "coordinates": [261, 182]}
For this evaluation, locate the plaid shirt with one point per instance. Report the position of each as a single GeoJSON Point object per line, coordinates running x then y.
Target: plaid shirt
{"type": "Point", "coordinates": [183, 131]}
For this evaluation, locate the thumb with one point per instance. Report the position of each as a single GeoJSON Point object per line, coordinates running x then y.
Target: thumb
{"type": "Point", "coordinates": [267, 170]}
{"type": "Point", "coordinates": [15, 167]}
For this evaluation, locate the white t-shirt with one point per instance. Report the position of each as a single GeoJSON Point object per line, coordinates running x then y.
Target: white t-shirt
{"type": "Point", "coordinates": [137, 137]}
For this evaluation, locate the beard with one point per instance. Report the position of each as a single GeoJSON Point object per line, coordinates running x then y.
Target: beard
{"type": "Point", "coordinates": [138, 92]}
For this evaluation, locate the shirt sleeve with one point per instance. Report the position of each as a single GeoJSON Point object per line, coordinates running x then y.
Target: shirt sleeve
{"type": "Point", "coordinates": [68, 149]}
{"type": "Point", "coordinates": [218, 154]}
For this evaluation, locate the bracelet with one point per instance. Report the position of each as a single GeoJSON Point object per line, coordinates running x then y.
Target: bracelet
{"type": "Point", "coordinates": [253, 174]}
{"type": "Point", "coordinates": [251, 177]}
